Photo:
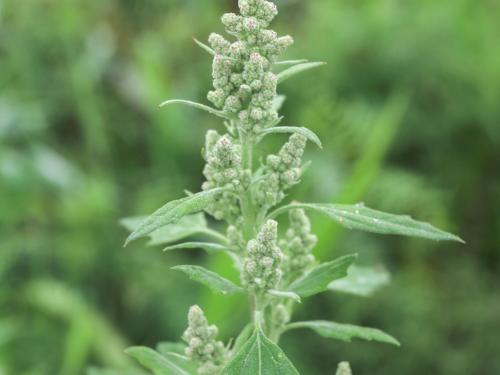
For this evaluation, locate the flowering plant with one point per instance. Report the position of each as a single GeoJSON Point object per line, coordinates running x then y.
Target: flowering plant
{"type": "Point", "coordinates": [276, 272]}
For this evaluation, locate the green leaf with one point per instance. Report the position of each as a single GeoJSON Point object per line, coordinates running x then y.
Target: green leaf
{"type": "Point", "coordinates": [204, 46]}
{"type": "Point", "coordinates": [174, 352]}
{"type": "Point", "coordinates": [362, 281]}
{"type": "Point", "coordinates": [363, 218]}
{"type": "Point", "coordinates": [296, 69]}
{"type": "Point", "coordinates": [187, 226]}
{"type": "Point", "coordinates": [203, 107]}
{"type": "Point", "coordinates": [290, 62]}
{"type": "Point", "coordinates": [283, 294]}
{"type": "Point", "coordinates": [259, 356]}
{"type": "Point", "coordinates": [318, 278]}
{"type": "Point", "coordinates": [98, 371]}
{"type": "Point", "coordinates": [309, 134]}
{"type": "Point", "coordinates": [215, 282]}
{"type": "Point", "coordinates": [173, 211]}
{"type": "Point", "coordinates": [154, 361]}
{"type": "Point", "coordinates": [345, 332]}
{"type": "Point", "coordinates": [208, 246]}
{"type": "Point", "coordinates": [243, 337]}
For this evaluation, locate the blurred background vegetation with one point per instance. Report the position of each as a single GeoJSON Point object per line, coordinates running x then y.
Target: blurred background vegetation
{"type": "Point", "coordinates": [407, 107]}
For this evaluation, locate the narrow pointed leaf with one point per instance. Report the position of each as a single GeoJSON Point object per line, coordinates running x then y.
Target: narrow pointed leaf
{"type": "Point", "coordinates": [207, 246]}
{"type": "Point", "coordinates": [203, 107]}
{"type": "Point", "coordinates": [259, 356]}
{"type": "Point", "coordinates": [278, 102]}
{"type": "Point", "coordinates": [204, 46]}
{"type": "Point", "coordinates": [284, 294]}
{"type": "Point", "coordinates": [186, 226]}
{"type": "Point", "coordinates": [296, 69]}
{"type": "Point", "coordinates": [173, 211]}
{"type": "Point", "coordinates": [309, 134]}
{"type": "Point", "coordinates": [154, 361]}
{"type": "Point", "coordinates": [345, 332]}
{"type": "Point", "coordinates": [318, 279]}
{"type": "Point", "coordinates": [290, 62]}
{"type": "Point", "coordinates": [174, 352]}
{"type": "Point", "coordinates": [215, 282]}
{"type": "Point", "coordinates": [362, 281]}
{"type": "Point", "coordinates": [363, 218]}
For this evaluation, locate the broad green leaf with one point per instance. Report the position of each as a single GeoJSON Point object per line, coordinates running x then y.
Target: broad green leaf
{"type": "Point", "coordinates": [173, 211]}
{"type": "Point", "coordinates": [318, 278]}
{"type": "Point", "coordinates": [208, 246]}
{"type": "Point", "coordinates": [154, 361]}
{"type": "Point", "coordinates": [186, 226]}
{"type": "Point", "coordinates": [309, 134]}
{"type": "Point", "coordinates": [203, 107]}
{"type": "Point", "coordinates": [174, 352]}
{"type": "Point", "coordinates": [363, 218]}
{"type": "Point", "coordinates": [362, 281]}
{"type": "Point", "coordinates": [204, 46]}
{"type": "Point", "coordinates": [242, 338]}
{"type": "Point", "coordinates": [345, 332]}
{"type": "Point", "coordinates": [98, 371]}
{"type": "Point", "coordinates": [259, 356]}
{"type": "Point", "coordinates": [296, 69]}
{"type": "Point", "coordinates": [284, 294]}
{"type": "Point", "coordinates": [215, 282]}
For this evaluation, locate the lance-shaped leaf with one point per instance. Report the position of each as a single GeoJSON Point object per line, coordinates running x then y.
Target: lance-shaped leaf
{"type": "Point", "coordinates": [309, 134]}
{"type": "Point", "coordinates": [259, 356]}
{"type": "Point", "coordinates": [344, 332]}
{"type": "Point", "coordinates": [154, 361]}
{"type": "Point", "coordinates": [290, 62]}
{"type": "Point", "coordinates": [318, 278]}
{"type": "Point", "coordinates": [284, 294]}
{"type": "Point", "coordinates": [362, 281]}
{"type": "Point", "coordinates": [98, 371]}
{"type": "Point", "coordinates": [203, 107]}
{"type": "Point", "coordinates": [204, 46]}
{"type": "Point", "coordinates": [187, 226]}
{"type": "Point", "coordinates": [296, 69]}
{"type": "Point", "coordinates": [173, 211]}
{"type": "Point", "coordinates": [215, 282]}
{"type": "Point", "coordinates": [207, 246]}
{"type": "Point", "coordinates": [363, 218]}
{"type": "Point", "coordinates": [175, 353]}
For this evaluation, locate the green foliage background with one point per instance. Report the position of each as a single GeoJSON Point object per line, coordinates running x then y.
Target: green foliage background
{"type": "Point", "coordinates": [408, 111]}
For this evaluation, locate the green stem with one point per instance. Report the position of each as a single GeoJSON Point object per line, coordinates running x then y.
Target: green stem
{"type": "Point", "coordinates": [248, 211]}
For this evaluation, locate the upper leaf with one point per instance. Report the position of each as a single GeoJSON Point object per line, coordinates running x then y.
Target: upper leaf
{"type": "Point", "coordinates": [259, 356]}
{"type": "Point", "coordinates": [309, 134]}
{"type": "Point", "coordinates": [174, 352]}
{"type": "Point", "coordinates": [207, 246]}
{"type": "Point", "coordinates": [363, 218]}
{"type": "Point", "coordinates": [345, 332]}
{"type": "Point", "coordinates": [296, 69]}
{"type": "Point", "coordinates": [173, 211]}
{"type": "Point", "coordinates": [154, 361]}
{"type": "Point", "coordinates": [215, 282]}
{"type": "Point", "coordinates": [318, 278]}
{"type": "Point", "coordinates": [362, 281]}
{"type": "Point", "coordinates": [187, 226]}
{"type": "Point", "coordinates": [203, 107]}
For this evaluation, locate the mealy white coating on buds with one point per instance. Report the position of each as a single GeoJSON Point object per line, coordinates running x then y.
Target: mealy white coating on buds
{"type": "Point", "coordinates": [244, 86]}
{"type": "Point", "coordinates": [261, 267]}
{"type": "Point", "coordinates": [281, 171]}
{"type": "Point", "coordinates": [344, 369]}
{"type": "Point", "coordinates": [202, 345]}
{"type": "Point", "coordinates": [223, 168]}
{"type": "Point", "coordinates": [298, 244]}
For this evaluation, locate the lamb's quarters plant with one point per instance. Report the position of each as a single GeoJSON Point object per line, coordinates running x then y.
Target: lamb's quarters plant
{"type": "Point", "coordinates": [276, 271]}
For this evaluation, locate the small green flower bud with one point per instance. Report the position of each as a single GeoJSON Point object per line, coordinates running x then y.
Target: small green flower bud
{"type": "Point", "coordinates": [344, 369]}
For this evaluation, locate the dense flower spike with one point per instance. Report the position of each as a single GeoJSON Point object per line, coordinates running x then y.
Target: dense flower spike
{"type": "Point", "coordinates": [202, 346]}
{"type": "Point", "coordinates": [281, 171]}
{"type": "Point", "coordinates": [244, 86]}
{"type": "Point", "coordinates": [261, 267]}
{"type": "Point", "coordinates": [223, 168]}
{"type": "Point", "coordinates": [298, 244]}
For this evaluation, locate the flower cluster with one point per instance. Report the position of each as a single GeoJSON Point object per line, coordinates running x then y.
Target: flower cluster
{"type": "Point", "coordinates": [344, 369]}
{"type": "Point", "coordinates": [202, 346]}
{"type": "Point", "coordinates": [281, 171]}
{"type": "Point", "coordinates": [244, 86]}
{"type": "Point", "coordinates": [298, 244]}
{"type": "Point", "coordinates": [223, 168]}
{"type": "Point", "coordinates": [261, 267]}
